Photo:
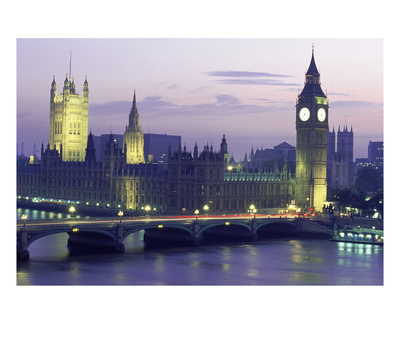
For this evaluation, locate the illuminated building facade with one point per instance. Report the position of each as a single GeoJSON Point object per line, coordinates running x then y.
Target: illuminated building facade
{"type": "Point", "coordinates": [311, 142]}
{"type": "Point", "coordinates": [68, 130]}
{"type": "Point", "coordinates": [205, 178]}
{"type": "Point", "coordinates": [156, 146]}
{"type": "Point", "coordinates": [188, 182]}
{"type": "Point", "coordinates": [122, 179]}
{"type": "Point", "coordinates": [133, 137]}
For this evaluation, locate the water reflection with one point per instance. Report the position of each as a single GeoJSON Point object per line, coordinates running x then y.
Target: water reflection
{"type": "Point", "coordinates": [74, 272]}
{"type": "Point", "coordinates": [359, 258]}
{"type": "Point", "coordinates": [306, 278]}
{"type": "Point", "coordinates": [226, 267]}
{"type": "Point", "coordinates": [23, 276]}
{"type": "Point", "coordinates": [159, 265]}
{"type": "Point", "coordinates": [32, 214]}
{"type": "Point", "coordinates": [358, 248]}
{"type": "Point", "coordinates": [252, 272]}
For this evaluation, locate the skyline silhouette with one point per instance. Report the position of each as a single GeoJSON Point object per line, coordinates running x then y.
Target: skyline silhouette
{"type": "Point", "coordinates": [202, 88]}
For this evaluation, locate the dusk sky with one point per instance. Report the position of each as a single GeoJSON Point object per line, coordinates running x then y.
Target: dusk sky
{"type": "Point", "coordinates": [201, 89]}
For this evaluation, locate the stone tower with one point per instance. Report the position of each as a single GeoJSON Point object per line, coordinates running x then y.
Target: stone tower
{"type": "Point", "coordinates": [68, 131]}
{"type": "Point", "coordinates": [345, 148]}
{"type": "Point", "coordinates": [311, 142]}
{"type": "Point", "coordinates": [90, 150]}
{"type": "Point", "coordinates": [133, 137]}
{"type": "Point", "coordinates": [345, 143]}
{"type": "Point", "coordinates": [224, 151]}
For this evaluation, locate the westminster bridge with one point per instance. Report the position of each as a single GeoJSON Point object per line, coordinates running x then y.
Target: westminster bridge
{"type": "Point", "coordinates": [109, 233]}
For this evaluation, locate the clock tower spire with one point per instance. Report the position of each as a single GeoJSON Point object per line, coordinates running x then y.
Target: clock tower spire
{"type": "Point", "coordinates": [311, 141]}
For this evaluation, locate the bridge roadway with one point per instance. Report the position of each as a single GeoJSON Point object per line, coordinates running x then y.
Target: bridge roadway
{"type": "Point", "coordinates": [109, 233]}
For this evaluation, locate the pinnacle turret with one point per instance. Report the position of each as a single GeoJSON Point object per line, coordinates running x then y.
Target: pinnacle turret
{"type": "Point", "coordinates": [312, 85]}
{"type": "Point", "coordinates": [134, 116]}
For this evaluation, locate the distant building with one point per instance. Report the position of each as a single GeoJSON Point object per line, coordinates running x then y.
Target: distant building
{"type": "Point", "coordinates": [362, 162]}
{"type": "Point", "coordinates": [274, 159]}
{"type": "Point", "coordinates": [156, 146]}
{"type": "Point", "coordinates": [340, 163]}
{"type": "Point", "coordinates": [375, 154]}
{"type": "Point", "coordinates": [100, 141]}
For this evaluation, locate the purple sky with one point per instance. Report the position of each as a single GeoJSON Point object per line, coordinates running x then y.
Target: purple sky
{"type": "Point", "coordinates": [202, 88]}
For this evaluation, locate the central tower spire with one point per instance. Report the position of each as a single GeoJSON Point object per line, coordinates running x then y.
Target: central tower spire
{"type": "Point", "coordinates": [134, 115]}
{"type": "Point", "coordinates": [133, 137]}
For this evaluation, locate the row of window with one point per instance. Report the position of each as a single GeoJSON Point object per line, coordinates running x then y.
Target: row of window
{"type": "Point", "coordinates": [201, 173]}
{"type": "Point", "coordinates": [140, 199]}
{"type": "Point", "coordinates": [74, 127]}
{"type": "Point", "coordinates": [58, 127]}
{"type": "Point", "coordinates": [188, 205]}
{"type": "Point", "coordinates": [228, 189]}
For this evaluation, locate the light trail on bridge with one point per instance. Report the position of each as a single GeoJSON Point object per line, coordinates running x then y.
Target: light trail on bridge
{"type": "Point", "coordinates": [140, 220]}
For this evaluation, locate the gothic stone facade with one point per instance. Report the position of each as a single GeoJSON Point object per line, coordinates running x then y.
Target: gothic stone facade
{"type": "Point", "coordinates": [200, 179]}
{"type": "Point", "coordinates": [110, 183]}
{"type": "Point", "coordinates": [68, 129]}
{"type": "Point", "coordinates": [189, 182]}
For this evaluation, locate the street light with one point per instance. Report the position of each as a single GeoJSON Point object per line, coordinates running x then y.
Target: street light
{"type": "Point", "coordinates": [120, 213]}
{"type": "Point", "coordinates": [147, 209]}
{"type": "Point", "coordinates": [23, 217]}
{"type": "Point", "coordinates": [253, 210]}
{"type": "Point", "coordinates": [205, 208]}
{"type": "Point", "coordinates": [72, 210]}
{"type": "Point", "coordinates": [196, 212]}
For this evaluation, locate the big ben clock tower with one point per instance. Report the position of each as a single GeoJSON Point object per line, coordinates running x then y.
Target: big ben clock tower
{"type": "Point", "coordinates": [311, 142]}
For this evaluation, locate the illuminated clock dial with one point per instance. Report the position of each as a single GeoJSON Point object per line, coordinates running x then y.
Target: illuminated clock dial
{"type": "Point", "coordinates": [304, 114]}
{"type": "Point", "coordinates": [321, 114]}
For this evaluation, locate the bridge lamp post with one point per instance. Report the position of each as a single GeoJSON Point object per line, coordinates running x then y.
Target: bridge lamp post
{"type": "Point", "coordinates": [205, 208]}
{"type": "Point", "coordinates": [72, 210]}
{"type": "Point", "coordinates": [253, 210]}
{"type": "Point", "coordinates": [147, 209]}
{"type": "Point", "coordinates": [196, 212]}
{"type": "Point", "coordinates": [23, 217]}
{"type": "Point", "coordinates": [120, 213]}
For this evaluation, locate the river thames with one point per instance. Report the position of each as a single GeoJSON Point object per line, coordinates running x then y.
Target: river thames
{"type": "Point", "coordinates": [278, 261]}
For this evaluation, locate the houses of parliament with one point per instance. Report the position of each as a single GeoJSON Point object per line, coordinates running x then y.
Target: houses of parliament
{"type": "Point", "coordinates": [126, 179]}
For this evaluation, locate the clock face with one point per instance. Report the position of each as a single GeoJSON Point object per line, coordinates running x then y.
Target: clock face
{"type": "Point", "coordinates": [321, 114]}
{"type": "Point", "coordinates": [304, 114]}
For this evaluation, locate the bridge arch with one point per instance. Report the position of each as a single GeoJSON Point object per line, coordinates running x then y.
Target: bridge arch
{"type": "Point", "coordinates": [230, 231]}
{"type": "Point", "coordinates": [35, 237]}
{"type": "Point", "coordinates": [223, 224]}
{"type": "Point", "coordinates": [277, 228]}
{"type": "Point", "coordinates": [130, 230]}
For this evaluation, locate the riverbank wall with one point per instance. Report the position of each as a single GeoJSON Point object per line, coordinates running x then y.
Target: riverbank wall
{"type": "Point", "coordinates": [79, 209]}
{"type": "Point", "coordinates": [308, 228]}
